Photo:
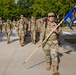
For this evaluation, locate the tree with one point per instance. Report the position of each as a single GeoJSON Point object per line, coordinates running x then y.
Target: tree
{"type": "Point", "coordinates": [9, 9]}
{"type": "Point", "coordinates": [25, 7]}
{"type": "Point", "coordinates": [41, 8]}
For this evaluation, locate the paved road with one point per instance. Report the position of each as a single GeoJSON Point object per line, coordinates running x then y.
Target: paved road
{"type": "Point", "coordinates": [13, 55]}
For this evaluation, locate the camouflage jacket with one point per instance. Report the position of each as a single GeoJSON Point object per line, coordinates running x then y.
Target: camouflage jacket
{"type": "Point", "coordinates": [32, 25]}
{"type": "Point", "coordinates": [21, 26]}
{"type": "Point", "coordinates": [46, 31]}
{"type": "Point", "coordinates": [8, 27]}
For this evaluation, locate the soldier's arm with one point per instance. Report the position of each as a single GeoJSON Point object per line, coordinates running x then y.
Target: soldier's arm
{"type": "Point", "coordinates": [42, 34]}
{"type": "Point", "coordinates": [58, 30]}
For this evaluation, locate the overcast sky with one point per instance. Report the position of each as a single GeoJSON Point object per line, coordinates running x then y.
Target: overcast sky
{"type": "Point", "coordinates": [16, 1]}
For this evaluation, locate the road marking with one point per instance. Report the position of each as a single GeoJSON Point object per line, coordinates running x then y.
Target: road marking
{"type": "Point", "coordinates": [64, 32]}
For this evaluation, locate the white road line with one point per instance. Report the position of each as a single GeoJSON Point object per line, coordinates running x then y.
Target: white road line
{"type": "Point", "coordinates": [64, 32]}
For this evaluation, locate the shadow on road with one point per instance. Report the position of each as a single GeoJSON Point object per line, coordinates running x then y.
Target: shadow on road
{"type": "Point", "coordinates": [36, 65]}
{"type": "Point", "coordinates": [66, 45]}
{"type": "Point", "coordinates": [1, 36]}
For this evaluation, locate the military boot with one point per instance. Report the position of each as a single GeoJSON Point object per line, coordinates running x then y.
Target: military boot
{"type": "Point", "coordinates": [48, 66]}
{"type": "Point", "coordinates": [8, 42]}
{"type": "Point", "coordinates": [34, 41]}
{"type": "Point", "coordinates": [55, 72]}
{"type": "Point", "coordinates": [22, 44]}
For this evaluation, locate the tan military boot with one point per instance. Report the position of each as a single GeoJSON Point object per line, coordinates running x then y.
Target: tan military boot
{"type": "Point", "coordinates": [22, 44]}
{"type": "Point", "coordinates": [48, 66]}
{"type": "Point", "coordinates": [55, 72]}
{"type": "Point", "coordinates": [34, 41]}
{"type": "Point", "coordinates": [8, 42]}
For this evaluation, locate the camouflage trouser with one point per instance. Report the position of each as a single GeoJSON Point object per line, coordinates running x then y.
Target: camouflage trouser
{"type": "Point", "coordinates": [51, 52]}
{"type": "Point", "coordinates": [8, 36]}
{"type": "Point", "coordinates": [21, 37]}
{"type": "Point", "coordinates": [33, 35]}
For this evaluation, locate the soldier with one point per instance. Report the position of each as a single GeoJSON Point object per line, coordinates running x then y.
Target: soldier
{"type": "Point", "coordinates": [21, 30]}
{"type": "Point", "coordinates": [39, 23]}
{"type": "Point", "coordinates": [50, 47]}
{"type": "Point", "coordinates": [1, 24]}
{"type": "Point", "coordinates": [8, 29]}
{"type": "Point", "coordinates": [32, 28]}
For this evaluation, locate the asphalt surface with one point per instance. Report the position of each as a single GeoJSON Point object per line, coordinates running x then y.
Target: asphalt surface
{"type": "Point", "coordinates": [12, 56]}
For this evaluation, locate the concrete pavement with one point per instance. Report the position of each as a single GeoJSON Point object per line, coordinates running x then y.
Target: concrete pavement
{"type": "Point", "coordinates": [13, 55]}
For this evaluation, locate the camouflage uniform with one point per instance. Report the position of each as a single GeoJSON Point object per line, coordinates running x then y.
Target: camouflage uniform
{"type": "Point", "coordinates": [8, 30]}
{"type": "Point", "coordinates": [0, 25]}
{"type": "Point", "coordinates": [32, 28]}
{"type": "Point", "coordinates": [39, 24]}
{"type": "Point", "coordinates": [21, 31]}
{"type": "Point", "coordinates": [51, 46]}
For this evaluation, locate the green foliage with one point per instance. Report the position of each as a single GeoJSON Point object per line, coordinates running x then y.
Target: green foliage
{"type": "Point", "coordinates": [41, 8]}
{"type": "Point", "coordinates": [25, 7]}
{"type": "Point", "coordinates": [38, 8]}
{"type": "Point", "coordinates": [9, 10]}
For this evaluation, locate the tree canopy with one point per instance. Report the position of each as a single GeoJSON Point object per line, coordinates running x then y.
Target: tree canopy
{"type": "Point", "coordinates": [10, 9]}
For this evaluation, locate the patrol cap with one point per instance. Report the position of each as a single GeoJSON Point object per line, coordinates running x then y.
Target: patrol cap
{"type": "Point", "coordinates": [32, 17]}
{"type": "Point", "coordinates": [51, 15]}
{"type": "Point", "coordinates": [21, 15]}
{"type": "Point", "coordinates": [8, 20]}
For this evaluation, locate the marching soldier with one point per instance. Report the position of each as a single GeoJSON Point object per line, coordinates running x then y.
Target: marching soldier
{"type": "Point", "coordinates": [32, 28]}
{"type": "Point", "coordinates": [1, 24]}
{"type": "Point", "coordinates": [21, 30]}
{"type": "Point", "coordinates": [8, 30]}
{"type": "Point", "coordinates": [39, 23]}
{"type": "Point", "coordinates": [50, 47]}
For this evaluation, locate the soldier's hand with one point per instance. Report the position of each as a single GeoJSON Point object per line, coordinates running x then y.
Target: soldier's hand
{"type": "Point", "coordinates": [55, 30]}
{"type": "Point", "coordinates": [28, 29]}
{"type": "Point", "coordinates": [39, 45]}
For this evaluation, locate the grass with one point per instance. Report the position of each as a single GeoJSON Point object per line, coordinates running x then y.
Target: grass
{"type": "Point", "coordinates": [71, 40]}
{"type": "Point", "coordinates": [65, 27]}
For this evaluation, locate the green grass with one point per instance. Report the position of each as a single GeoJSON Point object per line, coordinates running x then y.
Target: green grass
{"type": "Point", "coordinates": [71, 40]}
